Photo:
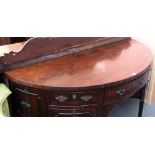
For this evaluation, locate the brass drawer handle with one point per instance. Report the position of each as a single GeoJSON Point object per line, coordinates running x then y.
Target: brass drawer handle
{"type": "Point", "coordinates": [25, 104]}
{"type": "Point", "coordinates": [86, 98]}
{"type": "Point", "coordinates": [121, 92]}
{"type": "Point", "coordinates": [61, 98]}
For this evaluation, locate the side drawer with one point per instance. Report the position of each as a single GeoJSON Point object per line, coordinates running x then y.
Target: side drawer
{"type": "Point", "coordinates": [119, 93]}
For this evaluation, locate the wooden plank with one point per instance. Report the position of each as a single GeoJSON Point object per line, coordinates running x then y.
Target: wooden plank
{"type": "Point", "coordinates": [38, 50]}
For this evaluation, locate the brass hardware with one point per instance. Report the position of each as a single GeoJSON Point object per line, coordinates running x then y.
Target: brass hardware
{"type": "Point", "coordinates": [61, 98]}
{"type": "Point", "coordinates": [121, 92]}
{"type": "Point", "coordinates": [86, 98]}
{"type": "Point", "coordinates": [25, 104]}
{"type": "Point", "coordinates": [74, 96]}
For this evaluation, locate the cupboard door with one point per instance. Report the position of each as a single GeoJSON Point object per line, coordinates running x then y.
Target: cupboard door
{"type": "Point", "coordinates": [26, 103]}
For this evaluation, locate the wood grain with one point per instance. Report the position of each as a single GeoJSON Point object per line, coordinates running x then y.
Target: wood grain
{"type": "Point", "coordinates": [100, 66]}
{"type": "Point", "coordinates": [42, 49]}
{"type": "Point", "coordinates": [84, 84]}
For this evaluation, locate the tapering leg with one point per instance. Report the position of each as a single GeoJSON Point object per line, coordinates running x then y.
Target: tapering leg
{"type": "Point", "coordinates": [141, 104]}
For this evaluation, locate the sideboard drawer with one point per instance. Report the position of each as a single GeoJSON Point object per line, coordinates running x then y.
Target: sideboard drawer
{"type": "Point", "coordinates": [81, 111]}
{"type": "Point", "coordinates": [72, 98]}
{"type": "Point", "coordinates": [119, 93]}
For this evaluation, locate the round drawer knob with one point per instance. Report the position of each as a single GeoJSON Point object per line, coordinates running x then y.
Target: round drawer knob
{"type": "Point", "coordinates": [121, 92]}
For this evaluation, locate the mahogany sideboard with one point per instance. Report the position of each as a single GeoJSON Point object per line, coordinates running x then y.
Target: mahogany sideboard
{"type": "Point", "coordinates": [89, 83]}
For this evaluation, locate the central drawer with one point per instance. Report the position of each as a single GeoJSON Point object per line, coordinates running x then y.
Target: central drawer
{"type": "Point", "coordinates": [72, 98]}
{"type": "Point", "coordinates": [80, 111]}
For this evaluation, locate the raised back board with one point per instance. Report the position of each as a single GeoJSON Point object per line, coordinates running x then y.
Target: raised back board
{"type": "Point", "coordinates": [42, 49]}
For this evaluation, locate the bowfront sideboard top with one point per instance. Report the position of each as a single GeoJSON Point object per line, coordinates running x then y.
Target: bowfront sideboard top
{"type": "Point", "coordinates": [101, 66]}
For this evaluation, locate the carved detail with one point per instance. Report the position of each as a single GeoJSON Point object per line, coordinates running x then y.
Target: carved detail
{"type": "Point", "coordinates": [61, 98]}
{"type": "Point", "coordinates": [86, 98]}
{"type": "Point", "coordinates": [26, 104]}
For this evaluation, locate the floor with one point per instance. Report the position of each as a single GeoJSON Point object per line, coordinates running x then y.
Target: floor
{"type": "Point", "coordinates": [130, 109]}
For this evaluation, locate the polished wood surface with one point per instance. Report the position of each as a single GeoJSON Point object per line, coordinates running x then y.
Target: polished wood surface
{"type": "Point", "coordinates": [89, 83]}
{"type": "Point", "coordinates": [39, 49]}
{"type": "Point", "coordinates": [102, 66]}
